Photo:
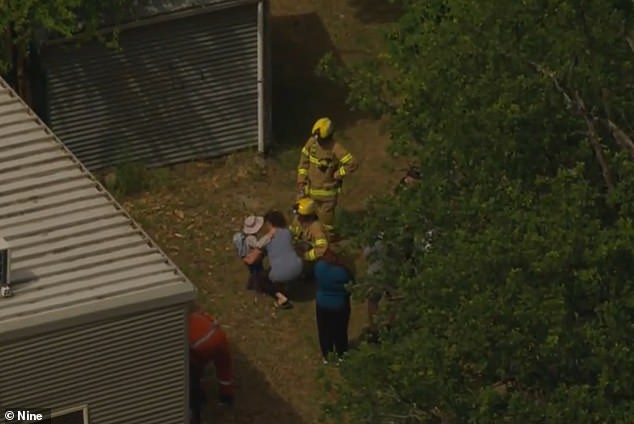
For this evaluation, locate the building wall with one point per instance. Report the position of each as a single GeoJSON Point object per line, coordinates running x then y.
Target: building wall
{"type": "Point", "coordinates": [131, 370]}
{"type": "Point", "coordinates": [177, 90]}
{"type": "Point", "coordinates": [268, 76]}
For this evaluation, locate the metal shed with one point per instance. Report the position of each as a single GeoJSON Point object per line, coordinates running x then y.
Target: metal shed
{"type": "Point", "coordinates": [97, 323]}
{"type": "Point", "coordinates": [189, 82]}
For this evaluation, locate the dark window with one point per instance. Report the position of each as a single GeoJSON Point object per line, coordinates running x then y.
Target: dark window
{"type": "Point", "coordinates": [76, 417]}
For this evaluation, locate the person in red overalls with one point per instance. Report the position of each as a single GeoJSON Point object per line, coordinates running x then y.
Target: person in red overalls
{"type": "Point", "coordinates": [208, 343]}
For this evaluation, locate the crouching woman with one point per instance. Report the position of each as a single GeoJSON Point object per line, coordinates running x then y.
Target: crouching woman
{"type": "Point", "coordinates": [285, 265]}
{"type": "Point", "coordinates": [332, 304]}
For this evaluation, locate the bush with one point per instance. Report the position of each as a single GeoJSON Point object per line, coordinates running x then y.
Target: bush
{"type": "Point", "coordinates": [127, 179]}
{"type": "Point", "coordinates": [523, 309]}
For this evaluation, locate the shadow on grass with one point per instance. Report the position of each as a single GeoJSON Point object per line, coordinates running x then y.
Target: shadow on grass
{"type": "Point", "coordinates": [376, 11]}
{"type": "Point", "coordinates": [256, 400]}
{"type": "Point", "coordinates": [299, 95]}
{"type": "Point", "coordinates": [302, 291]}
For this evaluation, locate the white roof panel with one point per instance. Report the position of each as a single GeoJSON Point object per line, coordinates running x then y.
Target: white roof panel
{"type": "Point", "coordinates": [74, 250]}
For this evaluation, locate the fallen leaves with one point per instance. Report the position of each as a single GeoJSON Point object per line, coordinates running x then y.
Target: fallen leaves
{"type": "Point", "coordinates": [194, 222]}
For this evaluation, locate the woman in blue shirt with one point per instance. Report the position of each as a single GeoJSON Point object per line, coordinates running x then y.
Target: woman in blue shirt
{"type": "Point", "coordinates": [332, 304]}
{"type": "Point", "coordinates": [285, 265]}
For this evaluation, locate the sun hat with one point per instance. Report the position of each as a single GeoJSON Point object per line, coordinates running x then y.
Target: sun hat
{"type": "Point", "coordinates": [252, 224]}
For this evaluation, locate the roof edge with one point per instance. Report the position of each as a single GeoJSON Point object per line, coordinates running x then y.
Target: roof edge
{"type": "Point", "coordinates": [98, 185]}
{"type": "Point", "coordinates": [155, 19]}
{"type": "Point", "coordinates": [21, 327]}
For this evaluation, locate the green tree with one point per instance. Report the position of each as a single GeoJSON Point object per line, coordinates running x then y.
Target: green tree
{"type": "Point", "coordinates": [21, 21]}
{"type": "Point", "coordinates": [519, 113]}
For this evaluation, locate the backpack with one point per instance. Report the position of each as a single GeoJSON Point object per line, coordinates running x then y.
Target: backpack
{"type": "Point", "coordinates": [240, 243]}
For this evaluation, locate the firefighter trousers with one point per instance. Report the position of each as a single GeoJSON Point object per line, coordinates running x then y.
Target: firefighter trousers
{"type": "Point", "coordinates": [217, 350]}
{"type": "Point", "coordinates": [326, 212]}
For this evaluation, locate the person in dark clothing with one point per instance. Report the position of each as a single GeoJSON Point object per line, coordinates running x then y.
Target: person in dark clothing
{"type": "Point", "coordinates": [197, 396]}
{"type": "Point", "coordinates": [412, 176]}
{"type": "Point", "coordinates": [378, 253]}
{"type": "Point", "coordinates": [332, 304]}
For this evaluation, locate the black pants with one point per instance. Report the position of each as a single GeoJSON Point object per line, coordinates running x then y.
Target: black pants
{"type": "Point", "coordinates": [332, 327]}
{"type": "Point", "coordinates": [265, 285]}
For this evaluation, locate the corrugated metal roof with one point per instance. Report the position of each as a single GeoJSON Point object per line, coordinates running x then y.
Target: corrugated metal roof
{"type": "Point", "coordinates": [180, 90]}
{"type": "Point", "coordinates": [75, 251]}
{"type": "Point", "coordinates": [144, 12]}
{"type": "Point", "coordinates": [149, 8]}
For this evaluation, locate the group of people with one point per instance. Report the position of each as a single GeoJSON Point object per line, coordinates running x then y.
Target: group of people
{"type": "Point", "coordinates": [304, 249]}
{"type": "Point", "coordinates": [295, 252]}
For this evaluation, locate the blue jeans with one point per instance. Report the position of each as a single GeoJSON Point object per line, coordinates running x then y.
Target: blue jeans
{"type": "Point", "coordinates": [255, 268]}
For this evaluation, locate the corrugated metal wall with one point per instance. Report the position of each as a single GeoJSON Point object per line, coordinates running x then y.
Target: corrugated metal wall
{"type": "Point", "coordinates": [177, 91]}
{"type": "Point", "coordinates": [132, 370]}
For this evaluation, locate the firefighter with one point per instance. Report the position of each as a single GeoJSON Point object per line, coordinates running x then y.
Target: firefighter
{"type": "Point", "coordinates": [323, 165]}
{"type": "Point", "coordinates": [208, 343]}
{"type": "Point", "coordinates": [308, 230]}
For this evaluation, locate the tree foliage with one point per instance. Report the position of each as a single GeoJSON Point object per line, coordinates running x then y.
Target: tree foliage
{"type": "Point", "coordinates": [22, 21]}
{"type": "Point", "coordinates": [520, 115]}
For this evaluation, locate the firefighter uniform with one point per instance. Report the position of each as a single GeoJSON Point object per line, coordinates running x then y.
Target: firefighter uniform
{"type": "Point", "coordinates": [296, 229]}
{"type": "Point", "coordinates": [323, 164]}
{"type": "Point", "coordinates": [316, 238]}
{"type": "Point", "coordinates": [208, 343]}
{"type": "Point", "coordinates": [313, 234]}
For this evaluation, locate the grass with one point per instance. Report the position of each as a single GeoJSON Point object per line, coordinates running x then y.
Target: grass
{"type": "Point", "coordinates": [192, 210]}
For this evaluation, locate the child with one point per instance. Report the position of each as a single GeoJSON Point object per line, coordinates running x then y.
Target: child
{"type": "Point", "coordinates": [248, 246]}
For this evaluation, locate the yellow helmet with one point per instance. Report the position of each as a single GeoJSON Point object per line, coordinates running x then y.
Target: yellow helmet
{"type": "Point", "coordinates": [323, 128]}
{"type": "Point", "coordinates": [305, 207]}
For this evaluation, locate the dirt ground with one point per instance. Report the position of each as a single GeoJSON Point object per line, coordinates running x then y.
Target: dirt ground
{"type": "Point", "coordinates": [194, 211]}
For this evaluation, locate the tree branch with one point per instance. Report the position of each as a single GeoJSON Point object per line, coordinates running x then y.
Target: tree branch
{"type": "Point", "coordinates": [551, 75]}
{"type": "Point", "coordinates": [414, 411]}
{"type": "Point", "coordinates": [620, 136]}
{"type": "Point", "coordinates": [626, 34]}
{"type": "Point", "coordinates": [595, 141]}
{"type": "Point", "coordinates": [405, 417]}
{"type": "Point", "coordinates": [630, 41]}
{"type": "Point", "coordinates": [606, 105]}
{"type": "Point", "coordinates": [576, 103]}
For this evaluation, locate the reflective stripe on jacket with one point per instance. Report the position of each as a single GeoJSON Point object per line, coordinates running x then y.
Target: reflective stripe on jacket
{"type": "Point", "coordinates": [323, 166]}
{"type": "Point", "coordinates": [205, 337]}
{"type": "Point", "coordinates": [202, 328]}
